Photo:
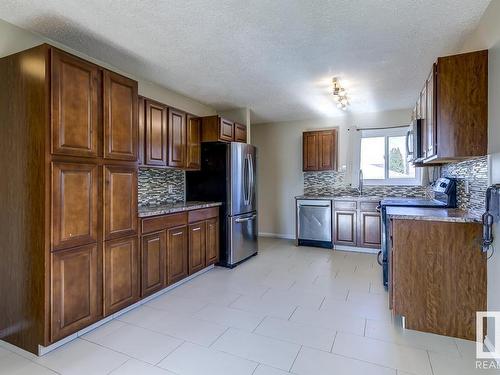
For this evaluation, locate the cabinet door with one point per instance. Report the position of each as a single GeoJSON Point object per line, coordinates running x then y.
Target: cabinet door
{"type": "Point", "coordinates": [74, 204]}
{"type": "Point", "coordinates": [226, 130]}
{"type": "Point", "coordinates": [176, 138]}
{"type": "Point", "coordinates": [121, 118]}
{"type": "Point", "coordinates": [120, 201]}
{"type": "Point", "coordinates": [75, 105]}
{"type": "Point", "coordinates": [370, 229]}
{"type": "Point", "coordinates": [153, 259]}
{"type": "Point", "coordinates": [141, 152]}
{"type": "Point", "coordinates": [212, 241]}
{"type": "Point", "coordinates": [423, 116]}
{"type": "Point", "coordinates": [121, 277]}
{"type": "Point", "coordinates": [193, 147]}
{"type": "Point", "coordinates": [197, 247]}
{"type": "Point", "coordinates": [74, 290]}
{"type": "Point", "coordinates": [327, 150]}
{"type": "Point", "coordinates": [431, 124]}
{"type": "Point", "coordinates": [240, 133]}
{"type": "Point", "coordinates": [345, 228]}
{"type": "Point", "coordinates": [156, 133]}
{"type": "Point", "coordinates": [310, 151]}
{"type": "Point", "coordinates": [177, 254]}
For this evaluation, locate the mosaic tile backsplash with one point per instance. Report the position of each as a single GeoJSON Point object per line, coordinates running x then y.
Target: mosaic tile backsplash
{"type": "Point", "coordinates": [475, 174]}
{"type": "Point", "coordinates": [153, 186]}
{"type": "Point", "coordinates": [333, 183]}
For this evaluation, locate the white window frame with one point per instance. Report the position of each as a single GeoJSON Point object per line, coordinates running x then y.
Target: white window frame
{"type": "Point", "coordinates": [386, 133]}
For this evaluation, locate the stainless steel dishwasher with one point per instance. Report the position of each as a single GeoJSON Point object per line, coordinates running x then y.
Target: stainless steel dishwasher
{"type": "Point", "coordinates": [314, 223]}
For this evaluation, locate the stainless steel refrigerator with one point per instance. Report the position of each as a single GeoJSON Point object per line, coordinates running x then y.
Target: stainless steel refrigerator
{"type": "Point", "coordinates": [228, 175]}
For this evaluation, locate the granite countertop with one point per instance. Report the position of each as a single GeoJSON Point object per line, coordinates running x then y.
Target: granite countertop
{"type": "Point", "coordinates": [342, 197]}
{"type": "Point", "coordinates": [170, 208]}
{"type": "Point", "coordinates": [433, 214]}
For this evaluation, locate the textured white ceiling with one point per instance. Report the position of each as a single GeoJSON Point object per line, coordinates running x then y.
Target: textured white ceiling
{"type": "Point", "coordinates": [274, 57]}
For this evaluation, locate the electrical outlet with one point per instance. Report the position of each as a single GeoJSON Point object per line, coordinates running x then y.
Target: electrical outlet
{"type": "Point", "coordinates": [170, 189]}
{"type": "Point", "coordinates": [466, 186]}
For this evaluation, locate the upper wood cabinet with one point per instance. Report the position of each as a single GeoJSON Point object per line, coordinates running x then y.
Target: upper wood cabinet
{"type": "Point", "coordinates": [153, 259]}
{"type": "Point", "coordinates": [176, 138]}
{"type": "Point", "coordinates": [75, 112]}
{"type": "Point", "coordinates": [193, 146]}
{"type": "Point", "coordinates": [320, 150]}
{"type": "Point", "coordinates": [177, 254]}
{"type": "Point", "coordinates": [120, 201]}
{"type": "Point", "coordinates": [454, 108]}
{"type": "Point", "coordinates": [75, 293]}
{"type": "Point", "coordinates": [121, 274]}
{"type": "Point", "coordinates": [240, 133]}
{"type": "Point", "coordinates": [74, 204]}
{"type": "Point", "coordinates": [216, 128]}
{"type": "Point", "coordinates": [120, 117]}
{"type": "Point", "coordinates": [156, 128]}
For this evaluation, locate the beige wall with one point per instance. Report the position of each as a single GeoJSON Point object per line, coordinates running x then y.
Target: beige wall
{"type": "Point", "coordinates": [279, 169]}
{"type": "Point", "coordinates": [487, 36]}
{"type": "Point", "coordinates": [14, 39]}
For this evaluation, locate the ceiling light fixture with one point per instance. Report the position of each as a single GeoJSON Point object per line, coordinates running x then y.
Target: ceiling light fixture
{"type": "Point", "coordinates": [339, 94]}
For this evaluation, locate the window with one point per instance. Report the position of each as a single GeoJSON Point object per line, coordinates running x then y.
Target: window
{"type": "Point", "coordinates": [383, 158]}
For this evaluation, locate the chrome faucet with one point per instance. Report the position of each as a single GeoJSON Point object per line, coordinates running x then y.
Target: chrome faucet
{"type": "Point", "coordinates": [360, 185]}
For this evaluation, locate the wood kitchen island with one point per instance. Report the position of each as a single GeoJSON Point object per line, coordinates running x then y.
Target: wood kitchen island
{"type": "Point", "coordinates": [437, 277]}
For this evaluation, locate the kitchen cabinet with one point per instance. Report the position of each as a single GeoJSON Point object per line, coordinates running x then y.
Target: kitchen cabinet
{"type": "Point", "coordinates": [454, 108]}
{"type": "Point", "coordinates": [176, 138]}
{"type": "Point", "coordinates": [120, 201]}
{"type": "Point", "coordinates": [438, 277]}
{"type": "Point", "coordinates": [120, 117]}
{"type": "Point", "coordinates": [74, 131]}
{"type": "Point", "coordinates": [197, 246]}
{"type": "Point", "coordinates": [217, 129]}
{"type": "Point", "coordinates": [76, 91]}
{"type": "Point", "coordinates": [212, 241]}
{"type": "Point", "coordinates": [155, 133]}
{"type": "Point", "coordinates": [121, 275]}
{"type": "Point", "coordinates": [177, 254]}
{"type": "Point", "coordinates": [193, 143]}
{"type": "Point", "coordinates": [357, 223]}
{"type": "Point", "coordinates": [74, 296]}
{"type": "Point", "coordinates": [240, 133]}
{"type": "Point", "coordinates": [345, 225]}
{"type": "Point", "coordinates": [319, 150]}
{"type": "Point", "coordinates": [74, 204]}
{"type": "Point", "coordinates": [153, 262]}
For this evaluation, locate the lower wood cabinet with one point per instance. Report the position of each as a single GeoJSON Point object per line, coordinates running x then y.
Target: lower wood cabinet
{"type": "Point", "coordinates": [75, 296]}
{"type": "Point", "coordinates": [153, 262]}
{"type": "Point", "coordinates": [177, 254]}
{"type": "Point", "coordinates": [369, 229]}
{"type": "Point", "coordinates": [197, 246]}
{"type": "Point", "coordinates": [121, 274]}
{"type": "Point", "coordinates": [345, 228]}
{"type": "Point", "coordinates": [212, 241]}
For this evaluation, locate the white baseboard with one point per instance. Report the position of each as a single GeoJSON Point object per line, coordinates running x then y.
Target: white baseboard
{"type": "Point", "coordinates": [277, 235]}
{"type": "Point", "coordinates": [42, 350]}
{"type": "Point", "coordinates": [356, 249]}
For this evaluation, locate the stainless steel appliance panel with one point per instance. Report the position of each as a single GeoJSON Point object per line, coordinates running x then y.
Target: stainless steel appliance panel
{"type": "Point", "coordinates": [242, 176]}
{"type": "Point", "coordinates": [314, 220]}
{"type": "Point", "coordinates": [242, 237]}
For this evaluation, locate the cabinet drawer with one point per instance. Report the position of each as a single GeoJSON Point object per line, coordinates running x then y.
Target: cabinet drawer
{"type": "Point", "coordinates": [203, 214]}
{"type": "Point", "coordinates": [158, 223]}
{"type": "Point", "coordinates": [368, 206]}
{"type": "Point", "coordinates": [345, 205]}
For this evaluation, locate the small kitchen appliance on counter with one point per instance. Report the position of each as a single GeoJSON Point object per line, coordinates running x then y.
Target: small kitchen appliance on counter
{"type": "Point", "coordinates": [445, 196]}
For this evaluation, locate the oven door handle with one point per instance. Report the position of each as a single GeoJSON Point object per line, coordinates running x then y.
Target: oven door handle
{"type": "Point", "coordinates": [379, 260]}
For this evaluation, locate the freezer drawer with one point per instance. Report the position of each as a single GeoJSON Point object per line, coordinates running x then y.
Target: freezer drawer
{"type": "Point", "coordinates": [314, 220]}
{"type": "Point", "coordinates": [242, 237]}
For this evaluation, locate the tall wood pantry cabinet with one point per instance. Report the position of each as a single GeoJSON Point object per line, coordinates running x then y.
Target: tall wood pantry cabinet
{"type": "Point", "coordinates": [69, 232]}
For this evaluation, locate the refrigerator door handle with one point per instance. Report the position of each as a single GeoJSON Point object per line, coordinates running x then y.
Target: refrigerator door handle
{"type": "Point", "coordinates": [250, 180]}
{"type": "Point", "coordinates": [246, 175]}
{"type": "Point", "coordinates": [242, 220]}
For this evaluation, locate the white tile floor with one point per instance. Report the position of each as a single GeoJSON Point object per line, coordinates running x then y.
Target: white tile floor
{"type": "Point", "coordinates": [303, 311]}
